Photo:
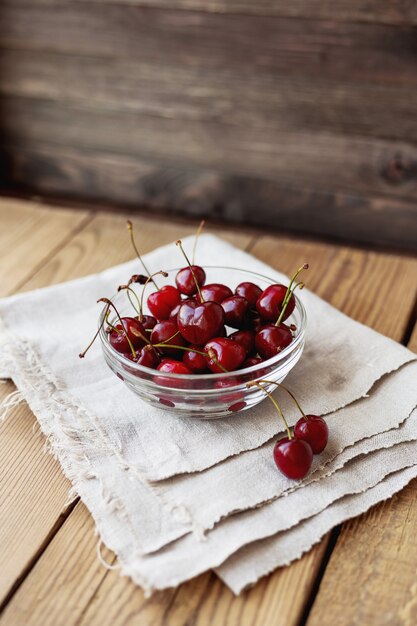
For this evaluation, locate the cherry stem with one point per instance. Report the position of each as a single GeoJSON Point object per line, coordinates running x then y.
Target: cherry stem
{"type": "Point", "coordinates": [132, 239]}
{"type": "Point", "coordinates": [148, 280]}
{"type": "Point", "coordinates": [197, 235]}
{"type": "Point", "coordinates": [110, 303]}
{"type": "Point", "coordinates": [289, 293]}
{"type": "Point", "coordinates": [275, 403]}
{"type": "Point", "coordinates": [103, 321]}
{"type": "Point", "coordinates": [179, 244]}
{"type": "Point", "coordinates": [272, 382]}
{"type": "Point", "coordinates": [129, 290]}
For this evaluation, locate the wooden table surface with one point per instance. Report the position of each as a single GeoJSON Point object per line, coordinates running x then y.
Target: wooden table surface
{"type": "Point", "coordinates": [362, 573]}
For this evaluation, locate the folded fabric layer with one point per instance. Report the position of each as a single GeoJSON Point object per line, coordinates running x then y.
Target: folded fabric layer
{"type": "Point", "coordinates": [341, 362]}
{"type": "Point", "coordinates": [172, 565]}
{"type": "Point", "coordinates": [262, 557]}
{"type": "Point", "coordinates": [251, 478]}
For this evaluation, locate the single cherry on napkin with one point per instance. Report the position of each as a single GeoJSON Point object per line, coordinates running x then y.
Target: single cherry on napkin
{"type": "Point", "coordinates": [314, 430]}
{"type": "Point", "coordinates": [293, 457]}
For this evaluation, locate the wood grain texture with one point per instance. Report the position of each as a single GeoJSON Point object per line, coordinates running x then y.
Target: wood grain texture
{"type": "Point", "coordinates": [27, 518]}
{"type": "Point", "coordinates": [29, 234]}
{"type": "Point", "coordinates": [399, 12]}
{"type": "Point", "coordinates": [83, 593]}
{"type": "Point", "coordinates": [128, 182]}
{"type": "Point", "coordinates": [279, 101]}
{"type": "Point", "coordinates": [247, 104]}
{"type": "Point", "coordinates": [356, 165]}
{"type": "Point", "coordinates": [367, 286]}
{"type": "Point", "coordinates": [209, 40]}
{"type": "Point", "coordinates": [381, 588]}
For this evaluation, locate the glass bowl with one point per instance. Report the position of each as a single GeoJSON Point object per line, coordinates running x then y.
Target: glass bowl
{"type": "Point", "coordinates": [206, 395]}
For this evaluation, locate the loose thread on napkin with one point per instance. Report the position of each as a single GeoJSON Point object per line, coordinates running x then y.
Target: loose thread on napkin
{"type": "Point", "coordinates": [102, 560]}
{"type": "Point", "coordinates": [11, 401]}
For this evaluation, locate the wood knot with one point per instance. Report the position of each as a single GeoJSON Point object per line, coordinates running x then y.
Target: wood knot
{"type": "Point", "coordinates": [399, 170]}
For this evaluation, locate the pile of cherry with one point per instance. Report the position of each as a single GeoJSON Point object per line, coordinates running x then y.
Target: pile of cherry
{"type": "Point", "coordinates": [186, 334]}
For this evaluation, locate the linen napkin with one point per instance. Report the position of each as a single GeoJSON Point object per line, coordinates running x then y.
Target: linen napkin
{"type": "Point", "coordinates": [342, 360]}
{"type": "Point", "coordinates": [262, 557]}
{"type": "Point", "coordinates": [239, 476]}
{"type": "Point", "coordinates": [110, 444]}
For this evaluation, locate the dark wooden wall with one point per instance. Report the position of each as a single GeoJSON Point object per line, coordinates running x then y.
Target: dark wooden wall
{"type": "Point", "coordinates": [299, 114]}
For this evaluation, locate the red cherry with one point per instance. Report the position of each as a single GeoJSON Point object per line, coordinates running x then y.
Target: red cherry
{"type": "Point", "coordinates": [246, 338]}
{"type": "Point", "coordinates": [250, 291]}
{"type": "Point", "coordinates": [147, 356]}
{"type": "Point", "coordinates": [253, 360]}
{"type": "Point", "coordinates": [186, 279]}
{"type": "Point", "coordinates": [167, 332]}
{"type": "Point", "coordinates": [198, 323]}
{"type": "Point", "coordinates": [174, 312]}
{"type": "Point", "coordinates": [293, 457]}
{"type": "Point", "coordinates": [215, 292]}
{"type": "Point", "coordinates": [228, 354]}
{"type": "Point", "coordinates": [235, 311]}
{"type": "Point", "coordinates": [258, 323]}
{"type": "Point", "coordinates": [169, 366]}
{"type": "Point", "coordinates": [195, 361]}
{"type": "Point", "coordinates": [314, 430]}
{"type": "Point", "coordinates": [134, 330]}
{"type": "Point", "coordinates": [269, 303]}
{"type": "Point", "coordinates": [234, 398]}
{"type": "Point", "coordinates": [271, 339]}
{"type": "Point", "coordinates": [148, 322]}
{"type": "Point", "coordinates": [162, 302]}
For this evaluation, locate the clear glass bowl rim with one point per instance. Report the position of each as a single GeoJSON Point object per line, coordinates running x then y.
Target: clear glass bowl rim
{"type": "Point", "coordinates": [221, 376]}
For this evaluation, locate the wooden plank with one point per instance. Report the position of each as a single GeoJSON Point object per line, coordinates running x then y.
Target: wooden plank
{"type": "Point", "coordinates": [29, 235]}
{"type": "Point", "coordinates": [130, 181]}
{"type": "Point", "coordinates": [28, 515]}
{"type": "Point", "coordinates": [261, 43]}
{"type": "Point", "coordinates": [314, 160]}
{"type": "Point", "coordinates": [103, 242]}
{"type": "Point", "coordinates": [205, 600]}
{"type": "Point", "coordinates": [399, 12]}
{"type": "Point", "coordinates": [381, 588]}
{"type": "Point", "coordinates": [358, 282]}
{"type": "Point", "coordinates": [338, 105]}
